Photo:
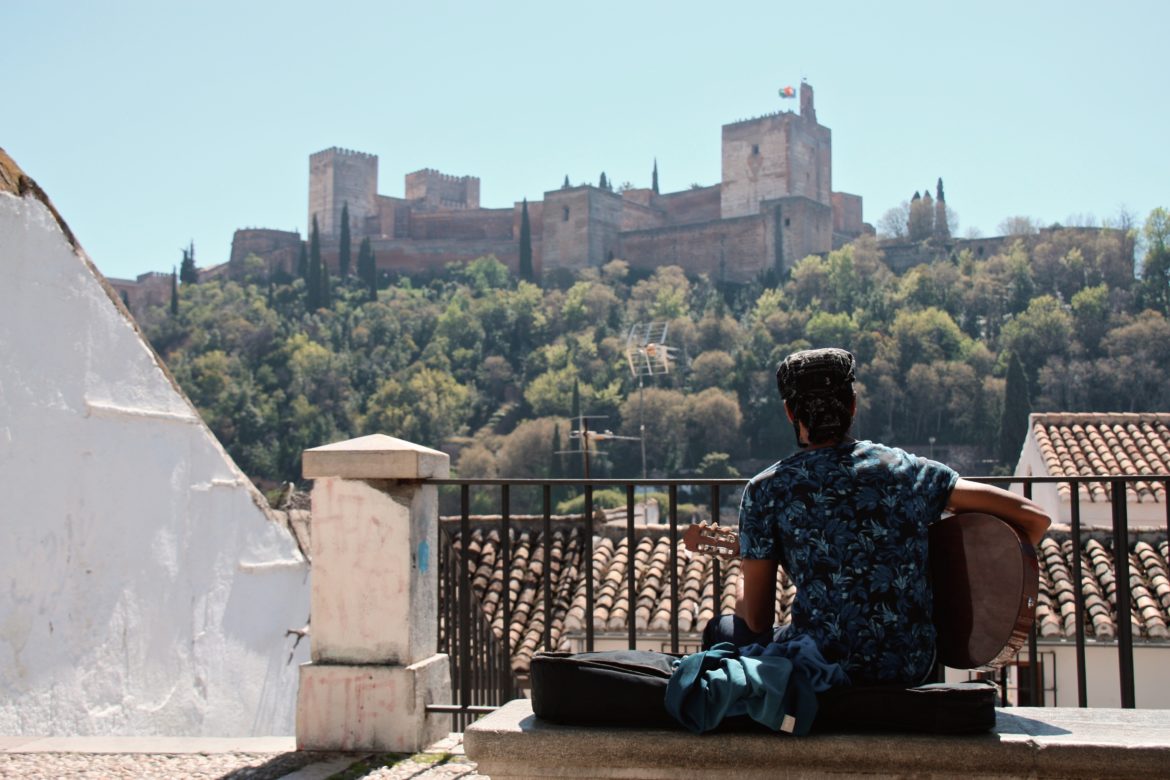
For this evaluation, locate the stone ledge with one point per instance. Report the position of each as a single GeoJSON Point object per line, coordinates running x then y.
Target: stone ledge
{"type": "Point", "coordinates": [376, 456]}
{"type": "Point", "coordinates": [1026, 743]}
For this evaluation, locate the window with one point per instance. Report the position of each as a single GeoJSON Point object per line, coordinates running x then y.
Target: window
{"type": "Point", "coordinates": [755, 149]}
{"type": "Point", "coordinates": [788, 222]}
{"type": "Point", "coordinates": [565, 215]}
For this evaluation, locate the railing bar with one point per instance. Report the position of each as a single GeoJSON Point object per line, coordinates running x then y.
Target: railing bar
{"type": "Point", "coordinates": [631, 564]}
{"type": "Point", "coordinates": [464, 586]}
{"type": "Point", "coordinates": [587, 567]}
{"type": "Point", "coordinates": [716, 572]}
{"type": "Point", "coordinates": [740, 482]}
{"type": "Point", "coordinates": [546, 538]}
{"type": "Point", "coordinates": [1121, 589]}
{"type": "Point", "coordinates": [459, 709]}
{"type": "Point", "coordinates": [506, 596]}
{"type": "Point", "coordinates": [1079, 596]}
{"type": "Point", "coordinates": [673, 493]}
{"type": "Point", "coordinates": [1035, 679]}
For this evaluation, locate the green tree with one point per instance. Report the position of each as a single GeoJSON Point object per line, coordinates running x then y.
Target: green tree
{"type": "Point", "coordinates": [188, 274]}
{"type": "Point", "coordinates": [343, 247]}
{"type": "Point", "coordinates": [367, 269]}
{"type": "Point", "coordinates": [526, 272]}
{"type": "Point", "coordinates": [1013, 425]}
{"type": "Point", "coordinates": [174, 293]}
{"type": "Point", "coordinates": [654, 177]}
{"type": "Point", "coordinates": [1155, 275]}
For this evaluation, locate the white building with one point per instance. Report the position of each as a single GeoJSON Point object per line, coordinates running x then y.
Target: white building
{"type": "Point", "coordinates": [147, 588]}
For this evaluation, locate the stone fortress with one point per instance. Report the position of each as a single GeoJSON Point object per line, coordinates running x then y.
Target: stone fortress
{"type": "Point", "coordinates": [773, 206]}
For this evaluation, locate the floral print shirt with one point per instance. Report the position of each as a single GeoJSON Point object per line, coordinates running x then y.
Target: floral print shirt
{"type": "Point", "coordinates": [848, 524]}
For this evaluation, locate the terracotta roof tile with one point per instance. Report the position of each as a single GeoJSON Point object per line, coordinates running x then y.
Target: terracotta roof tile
{"type": "Point", "coordinates": [1099, 443]}
{"type": "Point", "coordinates": [1056, 607]}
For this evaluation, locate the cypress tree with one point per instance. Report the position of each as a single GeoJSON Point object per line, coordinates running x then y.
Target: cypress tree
{"type": "Point", "coordinates": [313, 287]}
{"type": "Point", "coordinates": [1013, 426]}
{"type": "Point", "coordinates": [576, 408]}
{"type": "Point", "coordinates": [174, 293]}
{"type": "Point", "coordinates": [526, 272]}
{"type": "Point", "coordinates": [326, 287]}
{"type": "Point", "coordinates": [566, 185]}
{"type": "Point", "coordinates": [654, 177]}
{"type": "Point", "coordinates": [555, 470]}
{"type": "Point", "coordinates": [343, 247]}
{"type": "Point", "coordinates": [303, 263]}
{"type": "Point", "coordinates": [187, 272]}
{"type": "Point", "coordinates": [602, 183]}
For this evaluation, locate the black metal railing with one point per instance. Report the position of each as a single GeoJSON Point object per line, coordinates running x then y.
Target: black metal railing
{"type": "Point", "coordinates": [481, 658]}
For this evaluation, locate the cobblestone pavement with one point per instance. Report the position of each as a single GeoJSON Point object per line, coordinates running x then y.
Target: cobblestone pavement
{"type": "Point", "coordinates": [442, 761]}
{"type": "Point", "coordinates": [237, 766]}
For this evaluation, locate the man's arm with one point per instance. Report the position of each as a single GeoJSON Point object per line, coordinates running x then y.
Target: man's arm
{"type": "Point", "coordinates": [755, 594]}
{"type": "Point", "coordinates": [1022, 513]}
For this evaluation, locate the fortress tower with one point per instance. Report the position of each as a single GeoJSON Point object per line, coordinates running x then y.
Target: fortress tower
{"type": "Point", "coordinates": [336, 177]}
{"type": "Point", "coordinates": [431, 190]}
{"type": "Point", "coordinates": [776, 156]}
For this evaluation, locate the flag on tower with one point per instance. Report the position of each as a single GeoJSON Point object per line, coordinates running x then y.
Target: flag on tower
{"type": "Point", "coordinates": [787, 92]}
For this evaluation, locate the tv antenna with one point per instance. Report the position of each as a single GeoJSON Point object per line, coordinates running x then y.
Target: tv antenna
{"type": "Point", "coordinates": [647, 355]}
{"type": "Point", "coordinates": [590, 438]}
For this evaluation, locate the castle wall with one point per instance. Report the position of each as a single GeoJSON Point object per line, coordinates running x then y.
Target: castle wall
{"type": "Point", "coordinates": [847, 214]}
{"type": "Point", "coordinates": [580, 227]}
{"type": "Point", "coordinates": [406, 255]}
{"type": "Point", "coordinates": [729, 249]}
{"type": "Point", "coordinates": [280, 249]}
{"type": "Point", "coordinates": [464, 225]}
{"type": "Point", "coordinates": [336, 177]}
{"type": "Point", "coordinates": [640, 216]}
{"type": "Point", "coordinates": [152, 288]}
{"type": "Point", "coordinates": [434, 190]}
{"type": "Point", "coordinates": [691, 206]}
{"type": "Point", "coordinates": [804, 227]}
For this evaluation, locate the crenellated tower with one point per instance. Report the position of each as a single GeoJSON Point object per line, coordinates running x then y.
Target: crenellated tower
{"type": "Point", "coordinates": [339, 176]}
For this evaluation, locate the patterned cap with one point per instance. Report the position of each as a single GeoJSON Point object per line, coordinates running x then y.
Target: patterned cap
{"type": "Point", "coordinates": [814, 372]}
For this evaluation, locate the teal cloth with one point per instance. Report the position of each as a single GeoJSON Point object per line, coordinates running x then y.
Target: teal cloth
{"type": "Point", "coordinates": [719, 683]}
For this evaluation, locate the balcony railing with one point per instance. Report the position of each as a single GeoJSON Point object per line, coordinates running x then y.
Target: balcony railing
{"type": "Point", "coordinates": [481, 660]}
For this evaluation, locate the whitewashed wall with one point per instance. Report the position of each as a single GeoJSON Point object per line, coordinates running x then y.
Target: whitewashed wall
{"type": "Point", "coordinates": [144, 589]}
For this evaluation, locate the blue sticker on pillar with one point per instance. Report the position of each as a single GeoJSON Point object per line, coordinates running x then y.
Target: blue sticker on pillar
{"type": "Point", "coordinates": [424, 555]}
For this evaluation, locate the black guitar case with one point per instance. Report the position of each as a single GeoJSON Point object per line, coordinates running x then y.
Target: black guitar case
{"type": "Point", "coordinates": [627, 688]}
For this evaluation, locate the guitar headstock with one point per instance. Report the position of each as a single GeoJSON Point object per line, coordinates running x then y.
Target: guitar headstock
{"type": "Point", "coordinates": [712, 539]}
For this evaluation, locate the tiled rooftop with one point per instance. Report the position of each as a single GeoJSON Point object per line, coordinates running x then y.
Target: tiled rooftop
{"type": "Point", "coordinates": [1097, 443]}
{"type": "Point", "coordinates": [1149, 585]}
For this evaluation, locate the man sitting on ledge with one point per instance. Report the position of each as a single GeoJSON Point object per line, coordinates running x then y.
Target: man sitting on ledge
{"type": "Point", "coordinates": [848, 521]}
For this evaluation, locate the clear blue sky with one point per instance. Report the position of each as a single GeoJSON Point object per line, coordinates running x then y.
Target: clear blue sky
{"type": "Point", "coordinates": [154, 123]}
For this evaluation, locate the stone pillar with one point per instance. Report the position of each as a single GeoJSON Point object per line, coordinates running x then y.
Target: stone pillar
{"type": "Point", "coordinates": [374, 603]}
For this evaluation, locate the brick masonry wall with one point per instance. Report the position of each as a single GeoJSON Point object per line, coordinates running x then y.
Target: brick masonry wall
{"type": "Point", "coordinates": [580, 227]}
{"type": "Point", "coordinates": [279, 248]}
{"type": "Point", "coordinates": [690, 207]}
{"type": "Point", "coordinates": [805, 228]}
{"type": "Point", "coordinates": [730, 249]}
{"type": "Point", "coordinates": [465, 225]}
{"type": "Point", "coordinates": [847, 213]}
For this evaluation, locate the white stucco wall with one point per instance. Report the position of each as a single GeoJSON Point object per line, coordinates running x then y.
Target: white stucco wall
{"type": "Point", "coordinates": [143, 590]}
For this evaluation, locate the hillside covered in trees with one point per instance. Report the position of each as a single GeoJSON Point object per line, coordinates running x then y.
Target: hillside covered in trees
{"type": "Point", "coordinates": [493, 368]}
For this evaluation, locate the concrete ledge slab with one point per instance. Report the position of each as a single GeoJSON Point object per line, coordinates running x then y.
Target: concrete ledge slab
{"type": "Point", "coordinates": [375, 457]}
{"type": "Point", "coordinates": [1027, 743]}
